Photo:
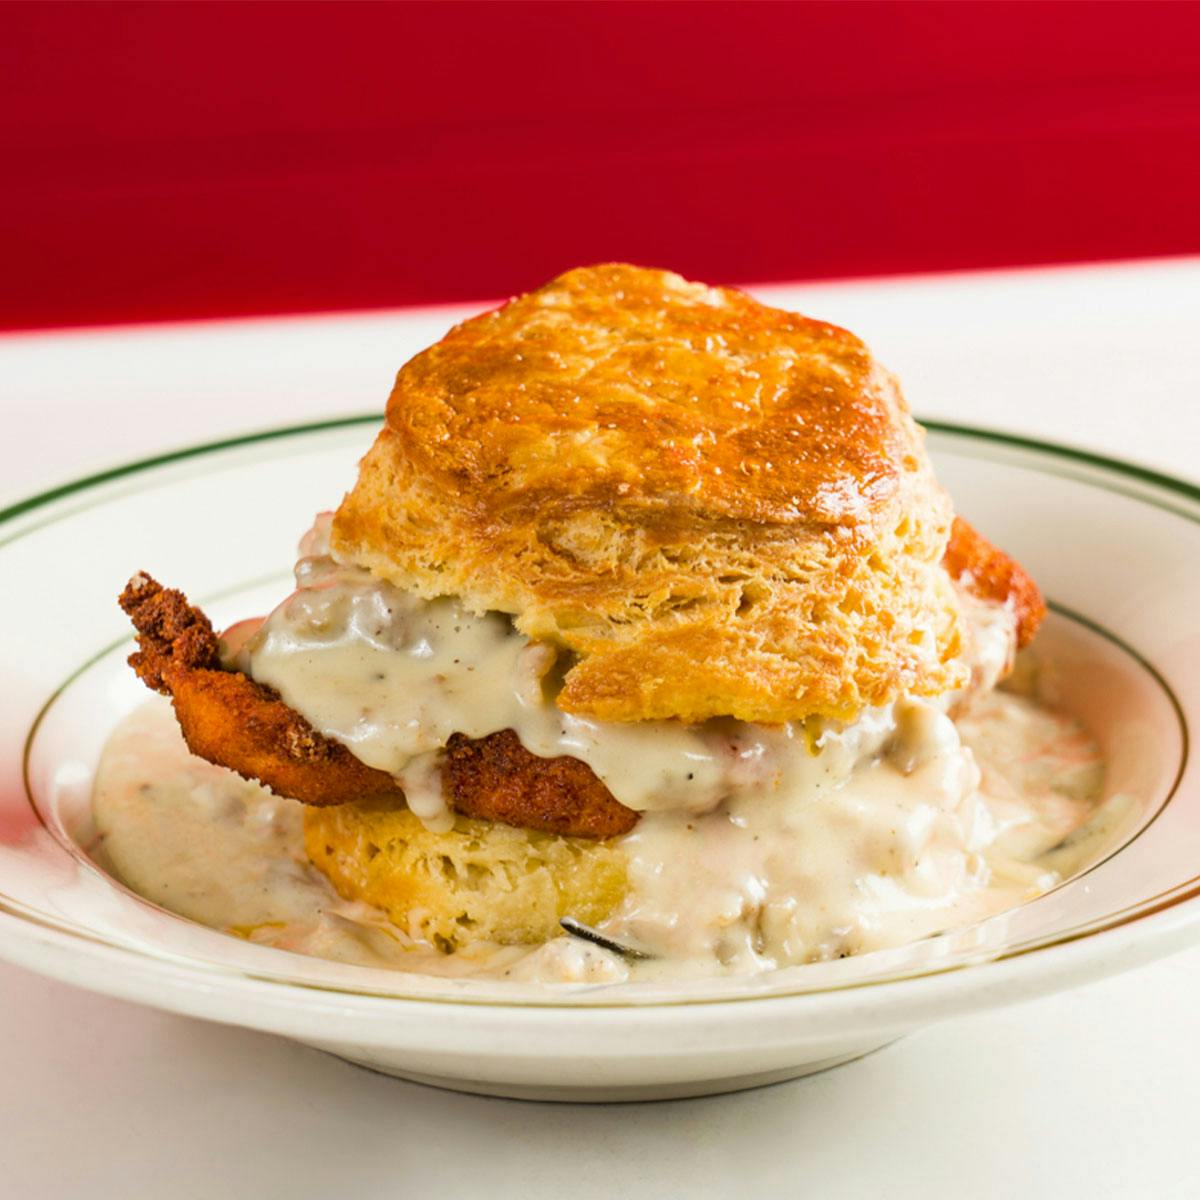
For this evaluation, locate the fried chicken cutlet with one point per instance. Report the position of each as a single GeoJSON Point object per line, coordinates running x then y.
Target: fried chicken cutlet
{"type": "Point", "coordinates": [229, 719]}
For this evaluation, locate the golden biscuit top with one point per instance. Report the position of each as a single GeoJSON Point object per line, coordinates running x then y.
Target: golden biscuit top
{"type": "Point", "coordinates": [710, 506]}
{"type": "Point", "coordinates": [622, 386]}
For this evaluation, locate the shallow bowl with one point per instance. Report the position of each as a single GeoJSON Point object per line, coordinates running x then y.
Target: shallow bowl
{"type": "Point", "coordinates": [1116, 548]}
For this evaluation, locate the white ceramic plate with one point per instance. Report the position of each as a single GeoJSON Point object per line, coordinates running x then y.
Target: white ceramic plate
{"type": "Point", "coordinates": [1116, 548]}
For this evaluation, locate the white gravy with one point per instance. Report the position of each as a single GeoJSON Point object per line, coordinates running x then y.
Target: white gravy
{"type": "Point", "coordinates": [393, 676]}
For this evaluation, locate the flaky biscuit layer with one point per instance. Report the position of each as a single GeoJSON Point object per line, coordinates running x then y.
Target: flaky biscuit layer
{"type": "Point", "coordinates": [713, 506]}
{"type": "Point", "coordinates": [476, 882]}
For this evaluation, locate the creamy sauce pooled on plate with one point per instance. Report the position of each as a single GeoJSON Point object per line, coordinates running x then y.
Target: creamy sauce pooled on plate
{"type": "Point", "coordinates": [993, 810]}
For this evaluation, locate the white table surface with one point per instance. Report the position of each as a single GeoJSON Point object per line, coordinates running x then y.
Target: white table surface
{"type": "Point", "coordinates": [1093, 1093]}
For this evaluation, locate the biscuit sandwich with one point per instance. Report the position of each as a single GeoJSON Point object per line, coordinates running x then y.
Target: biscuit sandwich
{"type": "Point", "coordinates": [627, 552]}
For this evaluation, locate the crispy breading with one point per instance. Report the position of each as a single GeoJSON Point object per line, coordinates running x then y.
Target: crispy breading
{"type": "Point", "coordinates": [497, 779]}
{"type": "Point", "coordinates": [229, 719]}
{"type": "Point", "coordinates": [717, 508]}
{"type": "Point", "coordinates": [171, 633]}
{"type": "Point", "coordinates": [987, 572]}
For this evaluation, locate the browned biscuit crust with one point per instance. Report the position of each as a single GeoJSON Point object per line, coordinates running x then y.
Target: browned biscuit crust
{"type": "Point", "coordinates": [716, 507]}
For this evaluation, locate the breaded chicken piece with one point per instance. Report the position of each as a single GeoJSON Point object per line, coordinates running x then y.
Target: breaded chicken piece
{"type": "Point", "coordinates": [988, 573]}
{"type": "Point", "coordinates": [497, 779]}
{"type": "Point", "coordinates": [229, 719]}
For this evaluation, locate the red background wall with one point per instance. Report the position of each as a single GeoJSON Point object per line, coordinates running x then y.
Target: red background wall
{"type": "Point", "coordinates": [167, 160]}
